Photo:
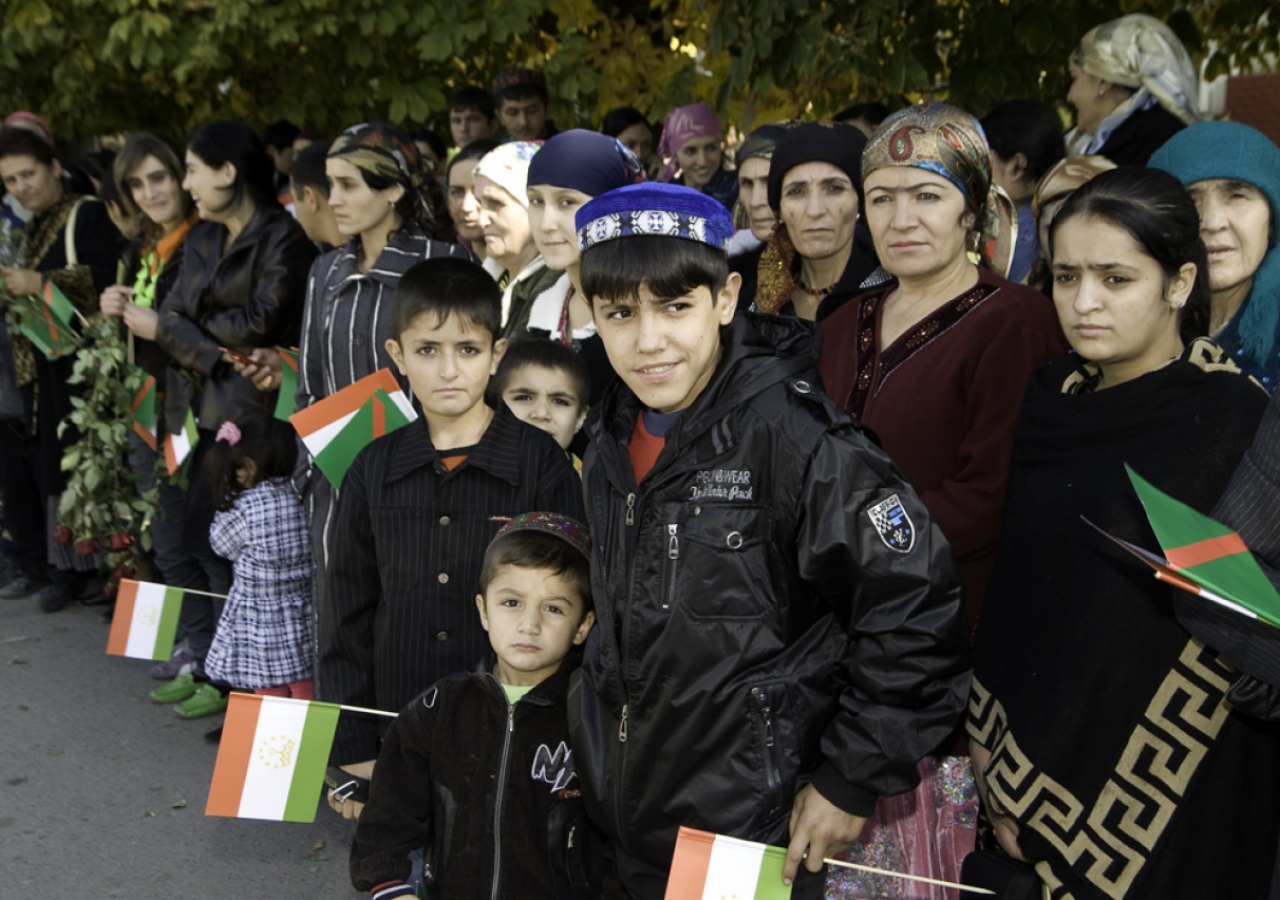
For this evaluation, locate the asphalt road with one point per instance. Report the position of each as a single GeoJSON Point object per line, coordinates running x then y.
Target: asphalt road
{"type": "Point", "coordinates": [102, 792]}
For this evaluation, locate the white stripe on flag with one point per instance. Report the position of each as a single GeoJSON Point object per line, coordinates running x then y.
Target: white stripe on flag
{"type": "Point", "coordinates": [733, 870]}
{"type": "Point", "coordinates": [148, 606]}
{"type": "Point", "coordinates": [320, 438]}
{"type": "Point", "coordinates": [405, 406]}
{"type": "Point", "coordinates": [273, 759]}
{"type": "Point", "coordinates": [181, 446]}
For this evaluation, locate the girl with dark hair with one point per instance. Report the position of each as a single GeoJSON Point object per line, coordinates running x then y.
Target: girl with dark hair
{"type": "Point", "coordinates": [1088, 697]}
{"type": "Point", "coordinates": [243, 279]}
{"type": "Point", "coordinates": [460, 196]}
{"type": "Point", "coordinates": [265, 641]}
{"type": "Point", "coordinates": [633, 131]}
{"type": "Point", "coordinates": [1026, 141]}
{"type": "Point", "coordinates": [71, 243]}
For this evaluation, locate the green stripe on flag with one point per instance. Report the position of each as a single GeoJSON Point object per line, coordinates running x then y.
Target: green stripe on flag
{"type": "Point", "coordinates": [167, 631]}
{"type": "Point", "coordinates": [58, 302]}
{"type": "Point", "coordinates": [313, 758]}
{"type": "Point", "coordinates": [288, 396]}
{"type": "Point", "coordinates": [770, 886]}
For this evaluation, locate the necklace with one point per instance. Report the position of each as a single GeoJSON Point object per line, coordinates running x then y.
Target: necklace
{"type": "Point", "coordinates": [813, 292]}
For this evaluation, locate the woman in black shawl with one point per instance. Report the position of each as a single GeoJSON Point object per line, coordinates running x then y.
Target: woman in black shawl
{"type": "Point", "coordinates": [1108, 751]}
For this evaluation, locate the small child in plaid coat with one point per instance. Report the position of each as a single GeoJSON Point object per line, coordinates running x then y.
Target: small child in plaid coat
{"type": "Point", "coordinates": [265, 639]}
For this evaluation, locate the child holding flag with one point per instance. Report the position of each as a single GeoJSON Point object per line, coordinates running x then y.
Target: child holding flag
{"type": "Point", "coordinates": [512, 780]}
{"type": "Point", "coordinates": [264, 639]}
{"type": "Point", "coordinates": [418, 506]}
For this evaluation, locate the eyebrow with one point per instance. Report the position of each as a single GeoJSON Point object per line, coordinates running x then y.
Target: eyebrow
{"type": "Point", "coordinates": [1092, 267]}
{"type": "Point", "coordinates": [830, 179]}
{"type": "Point", "coordinates": [910, 187]}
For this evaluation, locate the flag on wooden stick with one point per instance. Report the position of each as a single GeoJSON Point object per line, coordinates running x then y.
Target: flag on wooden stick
{"type": "Point", "coordinates": [145, 621]}
{"type": "Point", "coordinates": [338, 427]}
{"type": "Point", "coordinates": [711, 866]}
{"type": "Point", "coordinates": [178, 446]}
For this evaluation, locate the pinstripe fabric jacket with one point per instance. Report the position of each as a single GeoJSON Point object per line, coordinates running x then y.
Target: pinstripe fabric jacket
{"type": "Point", "coordinates": [404, 566]}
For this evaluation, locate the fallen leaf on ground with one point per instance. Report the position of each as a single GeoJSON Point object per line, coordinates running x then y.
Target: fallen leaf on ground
{"type": "Point", "coordinates": [318, 846]}
{"type": "Point", "coordinates": [150, 815]}
{"type": "Point", "coordinates": [180, 804]}
{"type": "Point", "coordinates": [17, 639]}
{"type": "Point", "coordinates": [17, 661]}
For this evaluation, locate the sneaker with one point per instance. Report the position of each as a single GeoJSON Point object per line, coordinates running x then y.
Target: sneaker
{"type": "Point", "coordinates": [181, 663]}
{"type": "Point", "coordinates": [206, 701]}
{"type": "Point", "coordinates": [53, 598]}
{"type": "Point", "coordinates": [175, 691]}
{"type": "Point", "coordinates": [20, 587]}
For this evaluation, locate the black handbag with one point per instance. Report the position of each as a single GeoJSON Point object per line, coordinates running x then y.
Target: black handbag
{"type": "Point", "coordinates": [999, 872]}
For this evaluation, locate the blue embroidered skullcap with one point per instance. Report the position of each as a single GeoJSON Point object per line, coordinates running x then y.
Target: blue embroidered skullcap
{"type": "Point", "coordinates": [654, 208]}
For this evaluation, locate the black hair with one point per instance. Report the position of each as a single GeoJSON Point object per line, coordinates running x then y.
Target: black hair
{"type": "Point", "coordinates": [280, 134]}
{"type": "Point", "coordinates": [308, 167]}
{"type": "Point", "coordinates": [671, 267]}
{"type": "Point", "coordinates": [15, 141]}
{"type": "Point", "coordinates": [1154, 208]}
{"type": "Point", "coordinates": [545, 353]}
{"type": "Point", "coordinates": [444, 287]}
{"type": "Point", "coordinates": [219, 143]}
{"type": "Point", "coordinates": [474, 98]}
{"type": "Point", "coordinates": [875, 113]}
{"type": "Point", "coordinates": [1029, 127]}
{"type": "Point", "coordinates": [270, 444]}
{"type": "Point", "coordinates": [619, 120]}
{"type": "Point", "coordinates": [473, 151]}
{"type": "Point", "coordinates": [522, 91]}
{"type": "Point", "coordinates": [538, 550]}
{"type": "Point", "coordinates": [434, 141]}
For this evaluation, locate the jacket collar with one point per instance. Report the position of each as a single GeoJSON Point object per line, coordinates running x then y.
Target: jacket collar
{"type": "Point", "coordinates": [395, 259]}
{"type": "Point", "coordinates": [549, 692]}
{"type": "Point", "coordinates": [497, 453]}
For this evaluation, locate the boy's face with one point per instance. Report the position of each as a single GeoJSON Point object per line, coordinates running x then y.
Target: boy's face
{"type": "Point", "coordinates": [525, 120]}
{"type": "Point", "coordinates": [533, 617]}
{"type": "Point", "coordinates": [666, 350]}
{"type": "Point", "coordinates": [545, 398]}
{"type": "Point", "coordinates": [448, 364]}
{"type": "Point", "coordinates": [469, 124]}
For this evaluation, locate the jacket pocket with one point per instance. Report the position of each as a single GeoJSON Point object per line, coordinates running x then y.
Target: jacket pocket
{"type": "Point", "coordinates": [724, 562]}
{"type": "Point", "coordinates": [763, 706]}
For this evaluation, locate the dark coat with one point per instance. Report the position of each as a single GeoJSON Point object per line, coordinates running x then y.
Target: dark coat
{"type": "Point", "coordinates": [499, 814]}
{"type": "Point", "coordinates": [249, 295]}
{"type": "Point", "coordinates": [1140, 135]}
{"type": "Point", "coordinates": [757, 629]}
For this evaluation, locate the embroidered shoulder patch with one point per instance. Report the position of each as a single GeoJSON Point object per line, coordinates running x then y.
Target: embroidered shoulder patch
{"type": "Point", "coordinates": [893, 525]}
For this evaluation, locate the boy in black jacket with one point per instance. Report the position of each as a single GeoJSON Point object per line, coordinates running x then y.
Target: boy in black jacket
{"type": "Point", "coordinates": [478, 768]}
{"type": "Point", "coordinates": [781, 630]}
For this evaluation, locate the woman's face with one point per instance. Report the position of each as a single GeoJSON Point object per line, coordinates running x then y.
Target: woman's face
{"type": "Point", "coordinates": [464, 208]}
{"type": "Point", "coordinates": [1090, 97]}
{"type": "Point", "coordinates": [639, 140]}
{"type": "Point", "coordinates": [36, 185]}
{"type": "Point", "coordinates": [917, 219]}
{"type": "Point", "coordinates": [358, 208]}
{"type": "Point", "coordinates": [551, 211]}
{"type": "Point", "coordinates": [1235, 225]}
{"type": "Point", "coordinates": [753, 194]}
{"type": "Point", "coordinates": [1116, 305]}
{"type": "Point", "coordinates": [505, 222]}
{"type": "Point", "coordinates": [155, 191]}
{"type": "Point", "coordinates": [699, 159]}
{"type": "Point", "coordinates": [820, 209]}
{"type": "Point", "coordinates": [210, 188]}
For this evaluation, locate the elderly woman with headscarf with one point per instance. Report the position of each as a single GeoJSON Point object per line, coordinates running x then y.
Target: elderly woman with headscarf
{"type": "Point", "coordinates": [693, 146]}
{"type": "Point", "coordinates": [753, 216]}
{"type": "Point", "coordinates": [812, 261]}
{"type": "Point", "coordinates": [1133, 87]}
{"type": "Point", "coordinates": [1233, 174]}
{"type": "Point", "coordinates": [1052, 190]}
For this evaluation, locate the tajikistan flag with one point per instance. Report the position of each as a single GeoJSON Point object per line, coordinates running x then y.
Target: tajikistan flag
{"type": "Point", "coordinates": [338, 427]}
{"type": "Point", "coordinates": [178, 446]}
{"type": "Point", "coordinates": [715, 867]}
{"type": "Point", "coordinates": [272, 758]}
{"type": "Point", "coordinates": [145, 621]}
{"type": "Point", "coordinates": [287, 397]}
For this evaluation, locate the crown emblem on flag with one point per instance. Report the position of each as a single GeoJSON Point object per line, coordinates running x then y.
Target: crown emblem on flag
{"type": "Point", "coordinates": [149, 616]}
{"type": "Point", "coordinates": [277, 752]}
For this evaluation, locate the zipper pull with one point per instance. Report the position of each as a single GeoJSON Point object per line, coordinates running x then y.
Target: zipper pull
{"type": "Point", "coordinates": [765, 715]}
{"type": "Point", "coordinates": [631, 509]}
{"type": "Point", "coordinates": [673, 545]}
{"type": "Point", "coordinates": [622, 726]}
{"type": "Point", "coordinates": [511, 717]}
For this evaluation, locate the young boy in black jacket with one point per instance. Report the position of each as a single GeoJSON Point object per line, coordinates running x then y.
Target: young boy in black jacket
{"type": "Point", "coordinates": [781, 631]}
{"type": "Point", "coordinates": [418, 507]}
{"type": "Point", "coordinates": [478, 768]}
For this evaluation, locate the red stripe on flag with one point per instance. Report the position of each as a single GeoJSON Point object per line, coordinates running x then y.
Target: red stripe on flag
{"type": "Point", "coordinates": [234, 751]}
{"type": "Point", "coordinates": [345, 402]}
{"type": "Point", "coordinates": [379, 418]}
{"type": "Point", "coordinates": [142, 393]}
{"type": "Point", "coordinates": [147, 438]}
{"type": "Point", "coordinates": [47, 312]}
{"type": "Point", "coordinates": [122, 618]}
{"type": "Point", "coordinates": [689, 865]}
{"type": "Point", "coordinates": [287, 360]}
{"type": "Point", "coordinates": [1202, 552]}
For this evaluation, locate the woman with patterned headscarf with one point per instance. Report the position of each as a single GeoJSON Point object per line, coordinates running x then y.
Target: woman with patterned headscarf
{"type": "Point", "coordinates": [935, 363]}
{"type": "Point", "coordinates": [1133, 87]}
{"type": "Point", "coordinates": [693, 146]}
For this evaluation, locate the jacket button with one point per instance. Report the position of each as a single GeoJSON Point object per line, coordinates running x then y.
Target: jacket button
{"type": "Point", "coordinates": [442, 636]}
{"type": "Point", "coordinates": [359, 340]}
{"type": "Point", "coordinates": [443, 578]}
{"type": "Point", "coordinates": [444, 520]}
{"type": "Point", "coordinates": [802, 387]}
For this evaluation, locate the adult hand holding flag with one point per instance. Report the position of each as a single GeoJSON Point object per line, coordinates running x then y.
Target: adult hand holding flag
{"type": "Point", "coordinates": [338, 427]}
{"type": "Point", "coordinates": [45, 320]}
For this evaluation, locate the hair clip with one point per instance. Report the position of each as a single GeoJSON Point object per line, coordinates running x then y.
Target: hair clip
{"type": "Point", "coordinates": [228, 431]}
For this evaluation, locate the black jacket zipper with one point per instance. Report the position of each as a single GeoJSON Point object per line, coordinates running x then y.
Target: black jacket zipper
{"type": "Point", "coordinates": [497, 804]}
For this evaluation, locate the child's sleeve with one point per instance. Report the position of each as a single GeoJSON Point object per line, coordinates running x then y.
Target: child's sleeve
{"type": "Point", "coordinates": [397, 817]}
{"type": "Point", "coordinates": [229, 532]}
{"type": "Point", "coordinates": [352, 592]}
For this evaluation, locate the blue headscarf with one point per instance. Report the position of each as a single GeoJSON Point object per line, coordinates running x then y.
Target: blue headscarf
{"type": "Point", "coordinates": [585, 161]}
{"type": "Point", "coordinates": [1236, 151]}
